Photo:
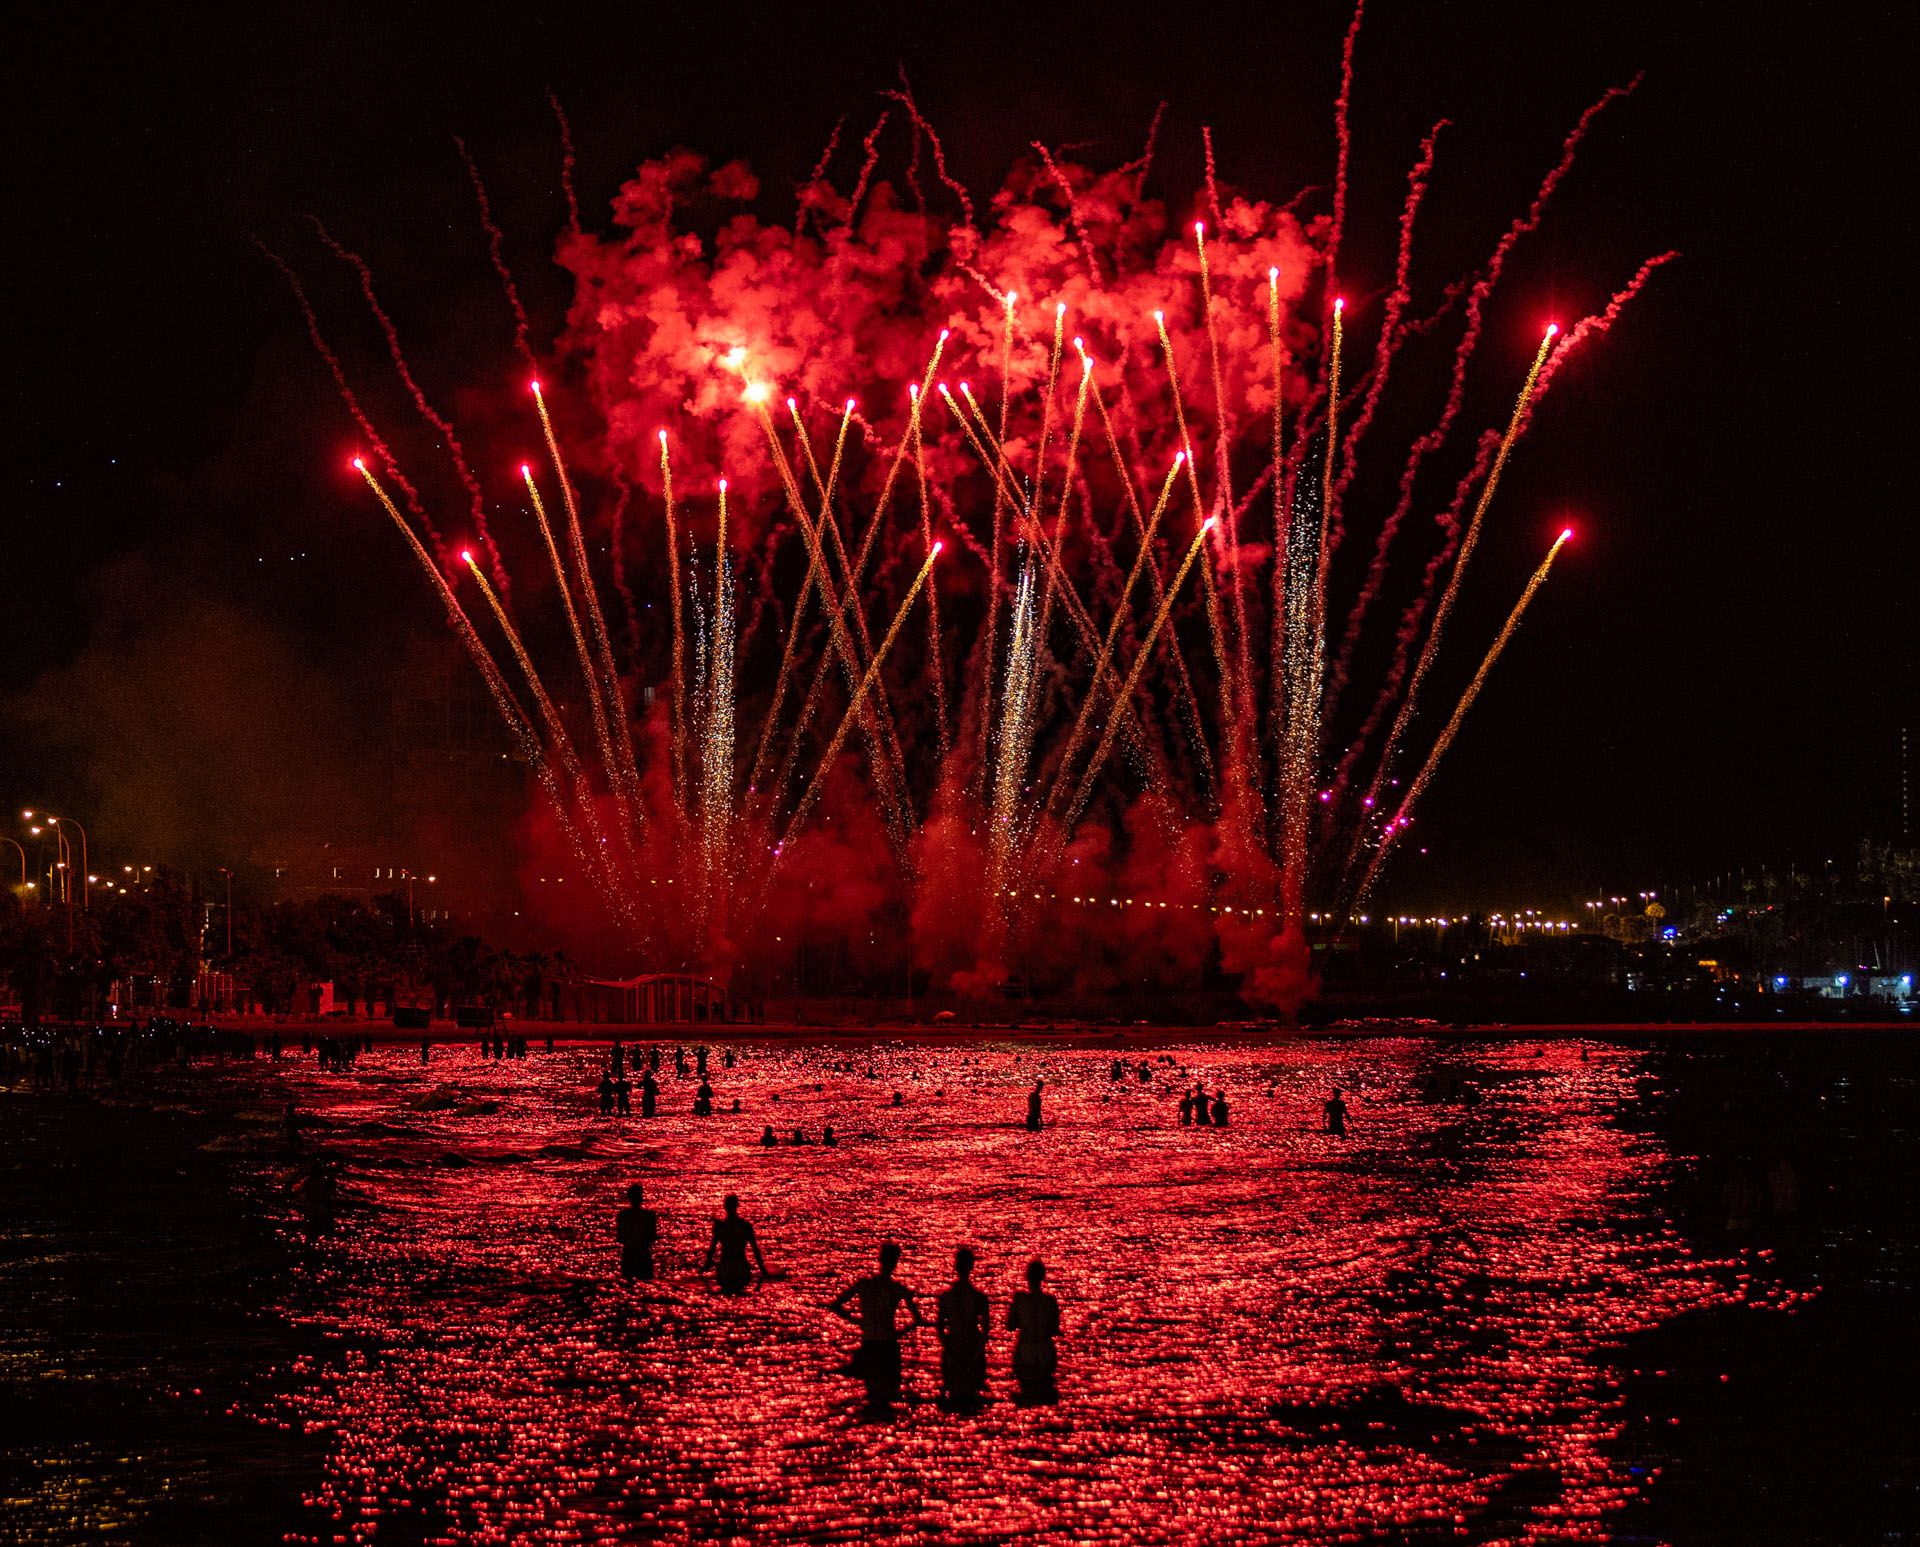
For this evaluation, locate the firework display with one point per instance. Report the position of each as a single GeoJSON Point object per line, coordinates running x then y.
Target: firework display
{"type": "Point", "coordinates": [1095, 556]}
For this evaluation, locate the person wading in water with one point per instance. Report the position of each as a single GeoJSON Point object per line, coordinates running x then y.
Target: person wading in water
{"type": "Point", "coordinates": [964, 1324]}
{"type": "Point", "coordinates": [733, 1239]}
{"type": "Point", "coordinates": [1034, 1318]}
{"type": "Point", "coordinates": [637, 1228]}
{"type": "Point", "coordinates": [879, 1296]}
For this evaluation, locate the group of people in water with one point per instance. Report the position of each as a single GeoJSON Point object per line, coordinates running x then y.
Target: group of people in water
{"type": "Point", "coordinates": [615, 1090]}
{"type": "Point", "coordinates": [875, 1304]}
{"type": "Point", "coordinates": [1197, 1107]}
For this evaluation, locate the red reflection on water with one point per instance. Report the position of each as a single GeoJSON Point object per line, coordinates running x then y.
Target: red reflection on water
{"type": "Point", "coordinates": [1270, 1334]}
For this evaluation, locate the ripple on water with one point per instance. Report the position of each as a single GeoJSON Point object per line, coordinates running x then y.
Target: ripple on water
{"type": "Point", "coordinates": [1270, 1334]}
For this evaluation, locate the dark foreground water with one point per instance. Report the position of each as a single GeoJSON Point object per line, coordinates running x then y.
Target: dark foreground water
{"type": "Point", "coordinates": [1662, 1291]}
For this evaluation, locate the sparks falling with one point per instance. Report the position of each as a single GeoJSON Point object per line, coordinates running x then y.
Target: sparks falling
{"type": "Point", "coordinates": [1087, 690]}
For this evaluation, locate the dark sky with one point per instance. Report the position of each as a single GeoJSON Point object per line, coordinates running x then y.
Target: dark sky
{"type": "Point", "coordinates": [1715, 676]}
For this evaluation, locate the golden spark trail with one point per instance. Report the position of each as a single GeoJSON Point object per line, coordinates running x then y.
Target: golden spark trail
{"type": "Point", "coordinates": [1084, 718]}
{"type": "Point", "coordinates": [1276, 627]}
{"type": "Point", "coordinates": [828, 522]}
{"type": "Point", "coordinates": [1036, 530]}
{"type": "Point", "coordinates": [1292, 781]}
{"type": "Point", "coordinates": [1066, 484]}
{"type": "Point", "coordinates": [590, 677]}
{"type": "Point", "coordinates": [1196, 734]}
{"type": "Point", "coordinates": [917, 397]}
{"type": "Point", "coordinates": [936, 665]}
{"type": "Point", "coordinates": [1243, 659]}
{"type": "Point", "coordinates": [549, 714]}
{"type": "Point", "coordinates": [679, 636]}
{"type": "Point", "coordinates": [556, 727]}
{"type": "Point", "coordinates": [850, 599]}
{"type": "Point", "coordinates": [1028, 507]}
{"type": "Point", "coordinates": [819, 780]}
{"type": "Point", "coordinates": [623, 773]}
{"type": "Point", "coordinates": [1326, 487]}
{"type": "Point", "coordinates": [1046, 405]}
{"type": "Point", "coordinates": [716, 744]}
{"type": "Point", "coordinates": [1305, 664]}
{"type": "Point", "coordinates": [1105, 747]}
{"type": "Point", "coordinates": [1016, 736]}
{"type": "Point", "coordinates": [888, 781]}
{"type": "Point", "coordinates": [994, 562]}
{"type": "Point", "coordinates": [1229, 719]}
{"type": "Point", "coordinates": [1404, 815]}
{"type": "Point", "coordinates": [756, 395]}
{"type": "Point", "coordinates": [502, 695]}
{"type": "Point", "coordinates": [1403, 715]}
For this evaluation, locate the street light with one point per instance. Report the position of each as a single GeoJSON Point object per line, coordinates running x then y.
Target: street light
{"type": "Point", "coordinates": [410, 877]}
{"type": "Point", "coordinates": [86, 900]}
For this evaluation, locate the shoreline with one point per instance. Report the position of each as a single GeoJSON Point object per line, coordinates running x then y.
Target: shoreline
{"type": "Point", "coordinates": [445, 1033]}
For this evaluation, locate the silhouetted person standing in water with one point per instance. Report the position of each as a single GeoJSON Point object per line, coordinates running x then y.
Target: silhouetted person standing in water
{"type": "Point", "coordinates": [1034, 1318]}
{"type": "Point", "coordinates": [649, 1093]}
{"type": "Point", "coordinates": [1336, 1113]}
{"type": "Point", "coordinates": [1033, 1106]}
{"type": "Point", "coordinates": [606, 1095]}
{"type": "Point", "coordinates": [880, 1296]}
{"type": "Point", "coordinates": [1202, 1113]}
{"type": "Point", "coordinates": [964, 1324]}
{"type": "Point", "coordinates": [638, 1228]}
{"type": "Point", "coordinates": [1186, 1109]}
{"type": "Point", "coordinates": [703, 1099]}
{"type": "Point", "coordinates": [1220, 1109]}
{"type": "Point", "coordinates": [733, 1239]}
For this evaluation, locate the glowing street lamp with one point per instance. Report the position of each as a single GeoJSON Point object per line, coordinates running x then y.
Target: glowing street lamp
{"type": "Point", "coordinates": [56, 823]}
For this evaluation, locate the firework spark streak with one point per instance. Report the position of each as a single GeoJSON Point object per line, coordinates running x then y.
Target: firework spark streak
{"type": "Point", "coordinates": [503, 699]}
{"type": "Point", "coordinates": [1402, 817]}
{"type": "Point", "coordinates": [1404, 715]}
{"type": "Point", "coordinates": [1084, 790]}
{"type": "Point", "coordinates": [717, 729]}
{"type": "Point", "coordinates": [854, 706]}
{"type": "Point", "coordinates": [679, 631]}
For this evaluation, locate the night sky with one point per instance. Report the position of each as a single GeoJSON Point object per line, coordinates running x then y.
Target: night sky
{"type": "Point", "coordinates": [1715, 676]}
